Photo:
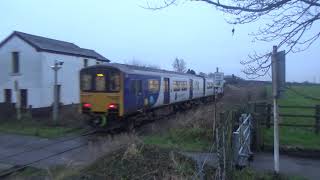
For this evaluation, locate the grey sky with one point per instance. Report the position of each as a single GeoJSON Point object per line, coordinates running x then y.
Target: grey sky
{"type": "Point", "coordinates": [122, 31]}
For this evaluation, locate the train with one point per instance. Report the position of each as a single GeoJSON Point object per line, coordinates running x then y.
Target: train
{"type": "Point", "coordinates": [112, 93]}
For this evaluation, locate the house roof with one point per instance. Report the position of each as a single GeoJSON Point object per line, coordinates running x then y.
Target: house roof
{"type": "Point", "coordinates": [55, 46]}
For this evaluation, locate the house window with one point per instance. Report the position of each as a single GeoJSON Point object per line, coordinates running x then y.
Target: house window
{"type": "Point", "coordinates": [15, 62]}
{"type": "Point", "coordinates": [7, 96]}
{"type": "Point", "coordinates": [85, 63]}
{"type": "Point", "coordinates": [153, 86]}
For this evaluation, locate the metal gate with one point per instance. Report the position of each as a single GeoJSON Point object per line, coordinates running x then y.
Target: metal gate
{"type": "Point", "coordinates": [242, 141]}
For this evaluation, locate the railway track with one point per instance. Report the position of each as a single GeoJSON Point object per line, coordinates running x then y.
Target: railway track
{"type": "Point", "coordinates": [17, 168]}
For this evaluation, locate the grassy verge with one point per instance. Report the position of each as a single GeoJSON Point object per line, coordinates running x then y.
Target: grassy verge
{"type": "Point", "coordinates": [35, 128]}
{"type": "Point", "coordinates": [297, 136]}
{"type": "Point", "coordinates": [187, 139]}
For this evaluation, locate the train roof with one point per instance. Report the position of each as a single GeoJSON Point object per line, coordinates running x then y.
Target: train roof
{"type": "Point", "coordinates": [131, 68]}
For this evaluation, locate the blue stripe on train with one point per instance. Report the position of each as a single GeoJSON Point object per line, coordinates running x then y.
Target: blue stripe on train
{"type": "Point", "coordinates": [133, 101]}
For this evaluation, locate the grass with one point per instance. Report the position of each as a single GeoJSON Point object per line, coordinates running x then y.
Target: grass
{"type": "Point", "coordinates": [297, 136]}
{"type": "Point", "coordinates": [142, 162]}
{"type": "Point", "coordinates": [35, 128]}
{"type": "Point", "coordinates": [187, 139]}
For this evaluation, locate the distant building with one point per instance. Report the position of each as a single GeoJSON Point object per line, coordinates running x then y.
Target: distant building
{"type": "Point", "coordinates": [27, 59]}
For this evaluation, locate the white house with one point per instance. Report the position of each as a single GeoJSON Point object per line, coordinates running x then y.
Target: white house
{"type": "Point", "coordinates": [27, 59]}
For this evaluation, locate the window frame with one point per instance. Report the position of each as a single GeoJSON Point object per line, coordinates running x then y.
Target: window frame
{"type": "Point", "coordinates": [85, 62]}
{"type": "Point", "coordinates": [176, 86]}
{"type": "Point", "coordinates": [15, 62]}
{"type": "Point", "coordinates": [107, 72]}
{"type": "Point", "coordinates": [153, 82]}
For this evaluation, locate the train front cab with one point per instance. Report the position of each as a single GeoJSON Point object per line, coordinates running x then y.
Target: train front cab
{"type": "Point", "coordinates": [101, 94]}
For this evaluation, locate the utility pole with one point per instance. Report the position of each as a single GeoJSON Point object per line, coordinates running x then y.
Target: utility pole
{"type": "Point", "coordinates": [275, 110]}
{"type": "Point", "coordinates": [57, 65]}
{"type": "Point", "coordinates": [278, 87]}
{"type": "Point", "coordinates": [18, 99]}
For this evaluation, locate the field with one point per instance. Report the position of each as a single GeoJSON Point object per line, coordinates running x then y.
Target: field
{"type": "Point", "coordinates": [297, 137]}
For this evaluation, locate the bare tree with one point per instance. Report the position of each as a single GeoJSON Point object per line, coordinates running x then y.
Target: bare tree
{"type": "Point", "coordinates": [179, 65]}
{"type": "Point", "coordinates": [288, 24]}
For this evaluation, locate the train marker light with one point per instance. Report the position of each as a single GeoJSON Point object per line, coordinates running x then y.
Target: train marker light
{"type": "Point", "coordinates": [100, 75]}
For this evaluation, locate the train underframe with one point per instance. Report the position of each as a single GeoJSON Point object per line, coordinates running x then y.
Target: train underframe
{"type": "Point", "coordinates": [111, 120]}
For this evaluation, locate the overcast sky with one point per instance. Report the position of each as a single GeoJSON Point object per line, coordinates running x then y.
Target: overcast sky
{"type": "Point", "coordinates": [123, 31]}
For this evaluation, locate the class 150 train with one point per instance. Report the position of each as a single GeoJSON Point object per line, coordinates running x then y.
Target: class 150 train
{"type": "Point", "coordinates": [110, 93]}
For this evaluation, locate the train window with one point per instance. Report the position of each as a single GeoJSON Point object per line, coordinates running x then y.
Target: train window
{"type": "Point", "coordinates": [100, 83]}
{"type": "Point", "coordinates": [176, 86]}
{"type": "Point", "coordinates": [86, 82]}
{"type": "Point", "coordinates": [153, 86]}
{"type": "Point", "coordinates": [114, 84]}
{"type": "Point", "coordinates": [184, 85]}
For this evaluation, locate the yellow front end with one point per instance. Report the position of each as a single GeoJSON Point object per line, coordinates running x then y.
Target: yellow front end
{"type": "Point", "coordinates": [100, 101]}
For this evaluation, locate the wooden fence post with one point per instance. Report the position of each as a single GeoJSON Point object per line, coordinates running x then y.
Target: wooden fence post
{"type": "Point", "coordinates": [268, 116]}
{"type": "Point", "coordinates": [317, 125]}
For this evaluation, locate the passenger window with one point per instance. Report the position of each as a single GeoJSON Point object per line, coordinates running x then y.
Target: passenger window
{"type": "Point", "coordinates": [176, 86]}
{"type": "Point", "coordinates": [114, 81]}
{"type": "Point", "coordinates": [184, 85]}
{"type": "Point", "coordinates": [153, 86]}
{"type": "Point", "coordinates": [86, 82]}
{"type": "Point", "coordinates": [100, 83]}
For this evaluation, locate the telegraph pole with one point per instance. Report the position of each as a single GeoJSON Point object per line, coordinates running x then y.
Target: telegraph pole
{"type": "Point", "coordinates": [57, 65]}
{"type": "Point", "coordinates": [275, 109]}
{"type": "Point", "coordinates": [278, 87]}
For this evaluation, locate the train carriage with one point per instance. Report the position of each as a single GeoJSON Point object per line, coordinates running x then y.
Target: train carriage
{"type": "Point", "coordinates": [111, 92]}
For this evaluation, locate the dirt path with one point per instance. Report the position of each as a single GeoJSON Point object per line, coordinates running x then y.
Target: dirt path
{"type": "Point", "coordinates": [308, 168]}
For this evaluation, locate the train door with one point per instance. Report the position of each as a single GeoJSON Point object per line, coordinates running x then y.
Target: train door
{"type": "Point", "coordinates": [191, 89]}
{"type": "Point", "coordinates": [166, 91]}
{"type": "Point", "coordinates": [139, 93]}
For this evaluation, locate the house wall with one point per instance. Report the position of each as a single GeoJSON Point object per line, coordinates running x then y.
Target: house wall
{"type": "Point", "coordinates": [37, 76]}
{"type": "Point", "coordinates": [68, 77]}
{"type": "Point", "coordinates": [29, 76]}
